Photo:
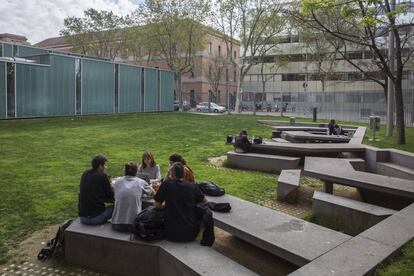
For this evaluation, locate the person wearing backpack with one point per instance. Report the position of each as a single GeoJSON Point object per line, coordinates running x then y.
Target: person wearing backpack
{"type": "Point", "coordinates": [181, 198]}
{"type": "Point", "coordinates": [128, 192]}
{"type": "Point", "coordinates": [95, 191]}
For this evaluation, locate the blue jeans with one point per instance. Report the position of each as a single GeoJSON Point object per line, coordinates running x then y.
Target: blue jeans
{"type": "Point", "coordinates": [99, 219]}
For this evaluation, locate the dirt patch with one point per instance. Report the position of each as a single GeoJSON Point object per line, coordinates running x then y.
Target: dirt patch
{"type": "Point", "coordinates": [250, 256]}
{"type": "Point", "coordinates": [217, 161]}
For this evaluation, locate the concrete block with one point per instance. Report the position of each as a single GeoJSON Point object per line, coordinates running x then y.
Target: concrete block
{"type": "Point", "coordinates": [288, 186]}
{"type": "Point", "coordinates": [103, 249]}
{"type": "Point", "coordinates": [262, 162]}
{"type": "Point", "coordinates": [357, 256]}
{"type": "Point", "coordinates": [402, 158]}
{"type": "Point", "coordinates": [287, 237]}
{"type": "Point", "coordinates": [341, 211]}
{"type": "Point", "coordinates": [177, 259]}
{"type": "Point", "coordinates": [395, 170]}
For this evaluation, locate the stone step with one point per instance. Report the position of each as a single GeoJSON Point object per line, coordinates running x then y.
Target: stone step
{"type": "Point", "coordinates": [262, 162]}
{"type": "Point", "coordinates": [395, 170]}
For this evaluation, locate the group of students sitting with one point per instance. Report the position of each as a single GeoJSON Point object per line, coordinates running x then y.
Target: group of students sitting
{"type": "Point", "coordinates": [176, 193]}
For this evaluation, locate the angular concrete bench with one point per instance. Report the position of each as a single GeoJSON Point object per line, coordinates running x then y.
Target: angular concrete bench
{"type": "Point", "coordinates": [103, 249]}
{"type": "Point", "coordinates": [362, 254]}
{"type": "Point", "coordinates": [342, 211]}
{"type": "Point", "coordinates": [395, 170]}
{"type": "Point", "coordinates": [262, 162]}
{"type": "Point", "coordinates": [288, 186]}
{"type": "Point", "coordinates": [390, 192]}
{"type": "Point", "coordinates": [287, 237]}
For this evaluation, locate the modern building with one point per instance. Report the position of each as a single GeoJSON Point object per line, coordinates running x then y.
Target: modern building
{"type": "Point", "coordinates": [37, 82]}
{"type": "Point", "coordinates": [297, 81]}
{"type": "Point", "coordinates": [196, 86]}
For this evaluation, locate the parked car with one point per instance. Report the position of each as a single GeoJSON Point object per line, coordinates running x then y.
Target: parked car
{"type": "Point", "coordinates": [203, 107]}
{"type": "Point", "coordinates": [186, 105]}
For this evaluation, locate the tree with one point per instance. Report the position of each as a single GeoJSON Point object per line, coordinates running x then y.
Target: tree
{"type": "Point", "coordinates": [98, 33]}
{"type": "Point", "coordinates": [260, 23]}
{"type": "Point", "coordinates": [175, 33]}
{"type": "Point", "coordinates": [226, 19]}
{"type": "Point", "coordinates": [362, 23]}
{"type": "Point", "coordinates": [215, 68]}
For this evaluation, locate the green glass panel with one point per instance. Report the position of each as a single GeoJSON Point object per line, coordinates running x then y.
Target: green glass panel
{"type": "Point", "coordinates": [150, 89]}
{"type": "Point", "coordinates": [98, 87]}
{"type": "Point", "coordinates": [25, 51]}
{"type": "Point", "coordinates": [166, 91]}
{"type": "Point", "coordinates": [2, 90]}
{"type": "Point", "coordinates": [129, 88]}
{"type": "Point", "coordinates": [44, 90]}
{"type": "Point", "coordinates": [7, 50]}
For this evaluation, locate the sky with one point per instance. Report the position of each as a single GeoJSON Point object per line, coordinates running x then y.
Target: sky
{"type": "Point", "coordinates": [41, 19]}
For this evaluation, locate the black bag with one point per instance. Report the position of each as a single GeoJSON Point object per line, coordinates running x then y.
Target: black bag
{"type": "Point", "coordinates": [219, 207]}
{"type": "Point", "coordinates": [206, 217]}
{"type": "Point", "coordinates": [210, 189]}
{"type": "Point", "coordinates": [149, 224]}
{"type": "Point", "coordinates": [229, 139]}
{"type": "Point", "coordinates": [55, 247]}
{"type": "Point", "coordinates": [258, 140]}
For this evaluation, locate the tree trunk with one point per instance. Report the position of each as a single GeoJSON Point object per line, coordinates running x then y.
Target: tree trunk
{"type": "Point", "coordinates": [180, 94]}
{"type": "Point", "coordinates": [239, 91]}
{"type": "Point", "coordinates": [400, 139]}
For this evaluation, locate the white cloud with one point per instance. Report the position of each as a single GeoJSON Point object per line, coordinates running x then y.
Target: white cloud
{"type": "Point", "coordinates": [41, 19]}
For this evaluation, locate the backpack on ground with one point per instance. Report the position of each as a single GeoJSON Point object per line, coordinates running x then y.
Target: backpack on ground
{"type": "Point", "coordinates": [55, 248]}
{"type": "Point", "coordinates": [149, 224]}
{"type": "Point", "coordinates": [210, 188]}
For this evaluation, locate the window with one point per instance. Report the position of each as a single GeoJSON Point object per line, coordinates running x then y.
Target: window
{"type": "Point", "coordinates": [11, 92]}
{"type": "Point", "coordinates": [78, 74]}
{"type": "Point", "coordinates": [235, 76]}
{"type": "Point", "coordinates": [15, 51]}
{"type": "Point", "coordinates": [209, 70]}
{"type": "Point", "coordinates": [235, 54]}
{"type": "Point", "coordinates": [219, 50]}
{"type": "Point", "coordinates": [227, 74]}
{"type": "Point", "coordinates": [210, 46]}
{"type": "Point", "coordinates": [354, 55]}
{"type": "Point", "coordinates": [218, 96]}
{"type": "Point", "coordinates": [116, 88]}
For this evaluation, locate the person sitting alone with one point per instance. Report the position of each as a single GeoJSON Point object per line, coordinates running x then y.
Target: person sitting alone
{"type": "Point", "coordinates": [95, 191]}
{"type": "Point", "coordinates": [331, 127]}
{"type": "Point", "coordinates": [149, 166]}
{"type": "Point", "coordinates": [188, 172]}
{"type": "Point", "coordinates": [241, 142]}
{"type": "Point", "coordinates": [128, 192]}
{"type": "Point", "coordinates": [181, 198]}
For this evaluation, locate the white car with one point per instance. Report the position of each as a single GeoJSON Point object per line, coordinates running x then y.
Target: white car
{"type": "Point", "coordinates": [203, 107]}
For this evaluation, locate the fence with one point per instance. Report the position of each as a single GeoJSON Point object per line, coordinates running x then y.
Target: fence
{"type": "Point", "coordinates": [344, 106]}
{"type": "Point", "coordinates": [37, 83]}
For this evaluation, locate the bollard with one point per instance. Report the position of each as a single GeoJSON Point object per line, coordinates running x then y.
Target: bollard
{"type": "Point", "coordinates": [292, 121]}
{"type": "Point", "coordinates": [315, 111]}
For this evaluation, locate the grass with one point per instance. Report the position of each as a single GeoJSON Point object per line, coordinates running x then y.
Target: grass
{"type": "Point", "coordinates": [41, 160]}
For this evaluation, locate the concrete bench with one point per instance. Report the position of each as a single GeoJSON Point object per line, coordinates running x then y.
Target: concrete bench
{"type": "Point", "coordinates": [395, 170]}
{"type": "Point", "coordinates": [304, 149]}
{"type": "Point", "coordinates": [362, 254]}
{"type": "Point", "coordinates": [103, 249]}
{"type": "Point", "coordinates": [287, 237]}
{"type": "Point", "coordinates": [306, 137]}
{"type": "Point", "coordinates": [262, 162]}
{"type": "Point", "coordinates": [341, 211]}
{"type": "Point", "coordinates": [390, 192]}
{"type": "Point", "coordinates": [288, 186]}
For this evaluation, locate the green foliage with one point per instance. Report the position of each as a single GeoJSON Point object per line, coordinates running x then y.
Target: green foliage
{"type": "Point", "coordinates": [98, 33]}
{"type": "Point", "coordinates": [401, 266]}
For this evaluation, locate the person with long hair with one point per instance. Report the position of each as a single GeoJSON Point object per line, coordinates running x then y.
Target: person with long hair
{"type": "Point", "coordinates": [188, 172]}
{"type": "Point", "coordinates": [149, 166]}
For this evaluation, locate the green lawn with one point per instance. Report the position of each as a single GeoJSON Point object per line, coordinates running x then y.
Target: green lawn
{"type": "Point", "coordinates": [41, 160]}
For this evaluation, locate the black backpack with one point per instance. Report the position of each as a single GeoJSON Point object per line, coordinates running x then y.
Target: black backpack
{"type": "Point", "coordinates": [210, 189]}
{"type": "Point", "coordinates": [55, 248]}
{"type": "Point", "coordinates": [149, 224]}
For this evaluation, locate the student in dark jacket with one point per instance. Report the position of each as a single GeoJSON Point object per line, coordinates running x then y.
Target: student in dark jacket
{"type": "Point", "coordinates": [331, 127]}
{"type": "Point", "coordinates": [95, 190]}
{"type": "Point", "coordinates": [181, 198]}
{"type": "Point", "coordinates": [241, 142]}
